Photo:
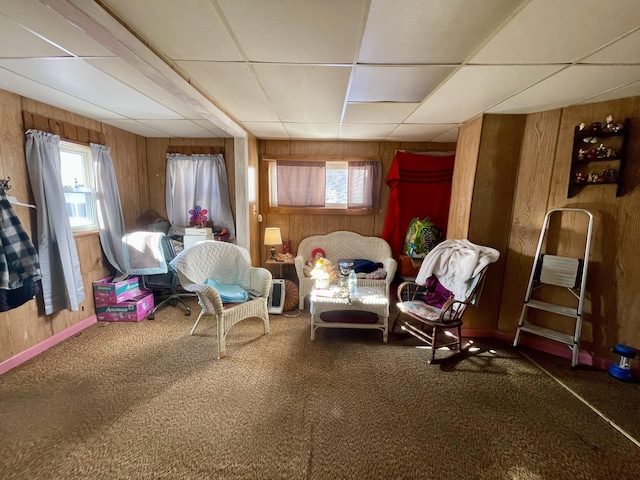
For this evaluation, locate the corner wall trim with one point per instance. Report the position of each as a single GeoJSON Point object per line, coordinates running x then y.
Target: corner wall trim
{"type": "Point", "coordinates": [31, 352]}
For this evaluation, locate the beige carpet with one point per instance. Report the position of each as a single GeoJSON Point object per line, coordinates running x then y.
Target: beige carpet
{"type": "Point", "coordinates": [147, 401]}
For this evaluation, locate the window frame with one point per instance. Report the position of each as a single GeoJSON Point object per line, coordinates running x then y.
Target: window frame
{"type": "Point", "coordinates": [90, 183]}
{"type": "Point", "coordinates": [269, 169]}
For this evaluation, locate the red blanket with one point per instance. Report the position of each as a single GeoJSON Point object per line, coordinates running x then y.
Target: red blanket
{"type": "Point", "coordinates": [420, 186]}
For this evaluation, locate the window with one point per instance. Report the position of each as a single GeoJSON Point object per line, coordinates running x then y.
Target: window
{"type": "Point", "coordinates": [324, 184]}
{"type": "Point", "coordinates": [79, 186]}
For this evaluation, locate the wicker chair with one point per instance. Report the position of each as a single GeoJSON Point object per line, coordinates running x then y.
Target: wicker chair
{"type": "Point", "coordinates": [228, 264]}
{"type": "Point", "coordinates": [343, 244]}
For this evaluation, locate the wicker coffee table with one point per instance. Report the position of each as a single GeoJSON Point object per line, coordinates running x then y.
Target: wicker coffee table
{"type": "Point", "coordinates": [367, 299]}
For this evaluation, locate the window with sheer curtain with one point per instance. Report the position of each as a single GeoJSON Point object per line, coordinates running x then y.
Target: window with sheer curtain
{"type": "Point", "coordinates": [324, 184]}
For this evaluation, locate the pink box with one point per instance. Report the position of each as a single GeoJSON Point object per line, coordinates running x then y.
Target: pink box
{"type": "Point", "coordinates": [132, 310]}
{"type": "Point", "coordinates": [106, 292]}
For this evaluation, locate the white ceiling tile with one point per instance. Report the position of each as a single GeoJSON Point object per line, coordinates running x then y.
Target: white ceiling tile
{"type": "Point", "coordinates": [135, 127]}
{"type": "Point", "coordinates": [310, 131]}
{"type": "Point", "coordinates": [178, 128]}
{"type": "Point", "coordinates": [210, 127]}
{"type": "Point", "coordinates": [395, 83]}
{"type": "Point", "coordinates": [267, 130]}
{"type": "Point", "coordinates": [567, 87]}
{"type": "Point", "coordinates": [28, 88]}
{"type": "Point", "coordinates": [182, 30]}
{"type": "Point", "coordinates": [429, 31]}
{"type": "Point", "coordinates": [418, 132]}
{"type": "Point", "coordinates": [303, 31]}
{"type": "Point", "coordinates": [550, 31]}
{"type": "Point", "coordinates": [365, 131]}
{"type": "Point", "coordinates": [233, 87]}
{"type": "Point", "coordinates": [631, 90]}
{"type": "Point", "coordinates": [305, 93]}
{"type": "Point", "coordinates": [133, 77]}
{"type": "Point", "coordinates": [16, 42]}
{"type": "Point", "coordinates": [52, 29]}
{"type": "Point", "coordinates": [381, 112]}
{"type": "Point", "coordinates": [473, 89]}
{"type": "Point", "coordinates": [78, 78]}
{"type": "Point", "coordinates": [625, 50]}
{"type": "Point", "coordinates": [448, 136]}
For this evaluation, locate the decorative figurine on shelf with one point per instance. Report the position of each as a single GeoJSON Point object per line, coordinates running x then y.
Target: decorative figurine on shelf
{"type": "Point", "coordinates": [610, 126]}
{"type": "Point", "coordinates": [581, 127]}
{"type": "Point", "coordinates": [581, 154]}
{"type": "Point", "coordinates": [595, 127]}
{"type": "Point", "coordinates": [601, 151]}
{"type": "Point", "coordinates": [198, 216]}
{"type": "Point", "coordinates": [580, 177]}
{"type": "Point", "coordinates": [590, 139]}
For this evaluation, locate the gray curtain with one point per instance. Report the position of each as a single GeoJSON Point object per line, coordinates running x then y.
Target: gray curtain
{"type": "Point", "coordinates": [61, 277]}
{"type": "Point", "coordinates": [110, 218]}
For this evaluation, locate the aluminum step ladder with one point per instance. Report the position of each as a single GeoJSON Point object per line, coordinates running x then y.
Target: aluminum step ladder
{"type": "Point", "coordinates": [561, 272]}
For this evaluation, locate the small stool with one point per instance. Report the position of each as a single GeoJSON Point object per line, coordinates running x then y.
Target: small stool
{"type": "Point", "coordinates": [623, 369]}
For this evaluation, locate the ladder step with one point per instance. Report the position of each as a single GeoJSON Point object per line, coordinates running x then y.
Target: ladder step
{"type": "Point", "coordinates": [547, 333]}
{"type": "Point", "coordinates": [553, 308]}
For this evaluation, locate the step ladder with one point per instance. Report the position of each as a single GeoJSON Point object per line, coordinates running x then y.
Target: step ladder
{"type": "Point", "coordinates": [561, 272]}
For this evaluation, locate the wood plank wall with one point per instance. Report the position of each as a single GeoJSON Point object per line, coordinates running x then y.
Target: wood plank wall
{"type": "Point", "coordinates": [295, 227]}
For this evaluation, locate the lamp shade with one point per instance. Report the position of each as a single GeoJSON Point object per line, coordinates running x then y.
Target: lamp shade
{"type": "Point", "coordinates": [272, 236]}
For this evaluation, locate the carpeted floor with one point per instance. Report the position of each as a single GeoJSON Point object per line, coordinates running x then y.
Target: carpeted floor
{"type": "Point", "coordinates": [147, 401]}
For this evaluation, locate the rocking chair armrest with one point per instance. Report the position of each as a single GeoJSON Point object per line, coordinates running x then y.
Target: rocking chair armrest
{"type": "Point", "coordinates": [408, 291]}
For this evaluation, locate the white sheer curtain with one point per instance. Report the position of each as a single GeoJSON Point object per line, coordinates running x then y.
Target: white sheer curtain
{"type": "Point", "coordinates": [364, 184]}
{"type": "Point", "coordinates": [301, 184]}
{"type": "Point", "coordinates": [61, 276]}
{"type": "Point", "coordinates": [110, 219]}
{"type": "Point", "coordinates": [198, 180]}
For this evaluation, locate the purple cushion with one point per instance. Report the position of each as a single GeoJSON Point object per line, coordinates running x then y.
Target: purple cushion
{"type": "Point", "coordinates": [436, 294]}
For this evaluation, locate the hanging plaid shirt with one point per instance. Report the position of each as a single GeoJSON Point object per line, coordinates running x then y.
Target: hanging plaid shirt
{"type": "Point", "coordinates": [19, 263]}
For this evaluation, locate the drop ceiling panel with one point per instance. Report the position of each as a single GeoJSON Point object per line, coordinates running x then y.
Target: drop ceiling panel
{"type": "Point", "coordinates": [631, 90]}
{"type": "Point", "coordinates": [358, 131]}
{"type": "Point", "coordinates": [184, 30]}
{"type": "Point", "coordinates": [570, 86]}
{"type": "Point", "coordinates": [17, 42]}
{"type": "Point", "coordinates": [52, 29]}
{"type": "Point", "coordinates": [136, 127]}
{"type": "Point", "coordinates": [210, 127]}
{"type": "Point", "coordinates": [551, 31]}
{"type": "Point", "coordinates": [311, 131]}
{"type": "Point", "coordinates": [418, 133]}
{"type": "Point", "coordinates": [395, 84]}
{"type": "Point", "coordinates": [28, 88]}
{"type": "Point", "coordinates": [178, 128]}
{"type": "Point", "coordinates": [305, 93]}
{"type": "Point", "coordinates": [448, 136]}
{"type": "Point", "coordinates": [429, 31]}
{"type": "Point", "coordinates": [473, 89]}
{"type": "Point", "coordinates": [79, 78]}
{"type": "Point", "coordinates": [233, 87]}
{"type": "Point", "coordinates": [382, 112]}
{"type": "Point", "coordinates": [300, 31]}
{"type": "Point", "coordinates": [625, 50]}
{"type": "Point", "coordinates": [267, 130]}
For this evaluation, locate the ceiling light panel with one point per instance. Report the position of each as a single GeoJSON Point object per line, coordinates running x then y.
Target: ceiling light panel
{"type": "Point", "coordinates": [395, 84]}
{"type": "Point", "coordinates": [296, 31]}
{"type": "Point", "coordinates": [429, 31]}
{"type": "Point", "coordinates": [550, 31]}
{"type": "Point", "coordinates": [305, 93]}
{"type": "Point", "coordinates": [184, 30]}
{"type": "Point", "coordinates": [473, 89]}
{"type": "Point", "coordinates": [568, 87]}
{"type": "Point", "coordinates": [382, 112]}
{"type": "Point", "coordinates": [233, 88]}
{"type": "Point", "coordinates": [78, 78]}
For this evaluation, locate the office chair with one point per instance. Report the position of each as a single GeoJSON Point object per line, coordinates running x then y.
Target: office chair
{"type": "Point", "coordinates": [148, 254]}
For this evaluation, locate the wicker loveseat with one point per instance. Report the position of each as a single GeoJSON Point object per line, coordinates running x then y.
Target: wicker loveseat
{"type": "Point", "coordinates": [345, 245]}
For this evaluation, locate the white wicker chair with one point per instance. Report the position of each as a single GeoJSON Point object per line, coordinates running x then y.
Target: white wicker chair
{"type": "Point", "coordinates": [344, 244]}
{"type": "Point", "coordinates": [230, 264]}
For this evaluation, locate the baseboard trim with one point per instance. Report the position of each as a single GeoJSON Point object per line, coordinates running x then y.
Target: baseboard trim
{"type": "Point", "coordinates": [32, 352]}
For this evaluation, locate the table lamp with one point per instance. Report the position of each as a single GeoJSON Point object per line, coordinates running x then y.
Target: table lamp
{"type": "Point", "coordinates": [272, 237]}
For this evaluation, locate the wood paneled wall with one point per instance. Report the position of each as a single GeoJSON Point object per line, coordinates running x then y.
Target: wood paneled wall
{"type": "Point", "coordinates": [614, 271]}
{"type": "Point", "coordinates": [295, 227]}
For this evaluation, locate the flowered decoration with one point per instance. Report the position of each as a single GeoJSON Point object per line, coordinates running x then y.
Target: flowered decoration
{"type": "Point", "coordinates": [198, 215]}
{"type": "Point", "coordinates": [323, 270]}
